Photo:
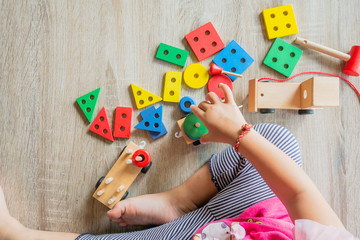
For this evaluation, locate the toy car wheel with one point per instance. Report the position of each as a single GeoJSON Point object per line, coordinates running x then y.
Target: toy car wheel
{"type": "Point", "coordinates": [122, 150]}
{"type": "Point", "coordinates": [196, 143]}
{"type": "Point", "coordinates": [99, 182]}
{"type": "Point", "coordinates": [267, 110]}
{"type": "Point", "coordinates": [306, 111]}
{"type": "Point", "coordinates": [124, 196]}
{"type": "Point", "coordinates": [146, 169]}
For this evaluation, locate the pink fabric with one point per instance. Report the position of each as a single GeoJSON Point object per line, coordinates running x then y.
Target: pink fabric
{"type": "Point", "coordinates": [265, 220]}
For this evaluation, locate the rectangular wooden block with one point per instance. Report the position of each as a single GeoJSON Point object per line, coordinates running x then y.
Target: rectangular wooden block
{"type": "Point", "coordinates": [122, 174]}
{"type": "Point", "coordinates": [172, 86]}
{"type": "Point", "coordinates": [253, 97]}
{"type": "Point", "coordinates": [204, 41]}
{"type": "Point", "coordinates": [172, 54]}
{"type": "Point", "coordinates": [122, 126]}
{"type": "Point", "coordinates": [320, 92]}
{"type": "Point", "coordinates": [280, 21]}
{"type": "Point", "coordinates": [282, 57]}
{"type": "Point", "coordinates": [278, 95]}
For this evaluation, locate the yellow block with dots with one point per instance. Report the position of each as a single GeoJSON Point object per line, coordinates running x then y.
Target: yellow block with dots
{"type": "Point", "coordinates": [196, 75]}
{"type": "Point", "coordinates": [172, 86]}
{"type": "Point", "coordinates": [280, 21]}
{"type": "Point", "coordinates": [143, 98]}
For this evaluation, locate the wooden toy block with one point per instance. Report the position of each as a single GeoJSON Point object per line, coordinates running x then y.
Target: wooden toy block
{"type": "Point", "coordinates": [101, 125]}
{"type": "Point", "coordinates": [213, 84]}
{"type": "Point", "coordinates": [143, 98]}
{"type": "Point", "coordinates": [172, 54]}
{"type": "Point", "coordinates": [233, 58]}
{"type": "Point", "coordinates": [122, 126]}
{"type": "Point", "coordinates": [88, 102]}
{"type": "Point", "coordinates": [154, 135]}
{"type": "Point", "coordinates": [204, 41]}
{"type": "Point", "coordinates": [282, 57]}
{"type": "Point", "coordinates": [172, 86]}
{"type": "Point", "coordinates": [216, 70]}
{"type": "Point", "coordinates": [152, 122]}
{"type": "Point", "coordinates": [196, 76]}
{"type": "Point", "coordinates": [316, 92]}
{"type": "Point", "coordinates": [181, 126]}
{"type": "Point", "coordinates": [185, 104]}
{"type": "Point", "coordinates": [193, 127]}
{"type": "Point", "coordinates": [121, 175]}
{"type": "Point", "coordinates": [280, 21]}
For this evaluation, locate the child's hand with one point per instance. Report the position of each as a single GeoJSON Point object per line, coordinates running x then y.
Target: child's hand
{"type": "Point", "coordinates": [222, 119]}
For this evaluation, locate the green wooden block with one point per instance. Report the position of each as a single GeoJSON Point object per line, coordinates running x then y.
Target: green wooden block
{"type": "Point", "coordinates": [88, 102]}
{"type": "Point", "coordinates": [282, 57]}
{"type": "Point", "coordinates": [172, 54]}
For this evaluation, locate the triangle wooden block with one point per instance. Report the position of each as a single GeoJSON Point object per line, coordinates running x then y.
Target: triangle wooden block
{"type": "Point", "coordinates": [152, 122]}
{"type": "Point", "coordinates": [101, 125]}
{"type": "Point", "coordinates": [143, 98]}
{"type": "Point", "coordinates": [88, 102]}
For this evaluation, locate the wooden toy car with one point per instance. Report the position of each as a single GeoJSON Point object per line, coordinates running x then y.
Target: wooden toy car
{"type": "Point", "coordinates": [192, 129]}
{"type": "Point", "coordinates": [113, 187]}
{"type": "Point", "coordinates": [314, 93]}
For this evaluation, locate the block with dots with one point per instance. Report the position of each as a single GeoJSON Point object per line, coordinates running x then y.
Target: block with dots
{"type": "Point", "coordinates": [280, 21]}
{"type": "Point", "coordinates": [172, 54]}
{"type": "Point", "coordinates": [101, 125]}
{"type": "Point", "coordinates": [154, 135]}
{"type": "Point", "coordinates": [122, 126]}
{"type": "Point", "coordinates": [233, 58]}
{"type": "Point", "coordinates": [143, 98]}
{"type": "Point", "coordinates": [204, 41]}
{"type": "Point", "coordinates": [172, 86]}
{"type": "Point", "coordinates": [152, 122]}
{"type": "Point", "coordinates": [282, 57]}
{"type": "Point", "coordinates": [88, 102]}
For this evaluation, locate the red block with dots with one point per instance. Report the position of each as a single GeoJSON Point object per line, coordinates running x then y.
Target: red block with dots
{"type": "Point", "coordinates": [101, 125]}
{"type": "Point", "coordinates": [204, 41]}
{"type": "Point", "coordinates": [122, 127]}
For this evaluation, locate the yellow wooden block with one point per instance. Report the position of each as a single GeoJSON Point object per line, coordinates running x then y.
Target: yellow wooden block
{"type": "Point", "coordinates": [280, 21]}
{"type": "Point", "coordinates": [143, 98]}
{"type": "Point", "coordinates": [196, 75]}
{"type": "Point", "coordinates": [172, 86]}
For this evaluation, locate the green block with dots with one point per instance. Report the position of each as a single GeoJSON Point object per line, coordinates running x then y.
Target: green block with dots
{"type": "Point", "coordinates": [282, 57]}
{"type": "Point", "coordinates": [172, 54]}
{"type": "Point", "coordinates": [88, 102]}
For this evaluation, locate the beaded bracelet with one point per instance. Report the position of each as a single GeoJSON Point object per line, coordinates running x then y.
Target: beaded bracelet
{"type": "Point", "coordinates": [244, 130]}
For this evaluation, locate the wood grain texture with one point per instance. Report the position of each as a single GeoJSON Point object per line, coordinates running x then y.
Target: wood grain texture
{"type": "Point", "coordinates": [55, 51]}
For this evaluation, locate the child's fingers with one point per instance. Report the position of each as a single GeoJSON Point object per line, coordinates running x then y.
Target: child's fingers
{"type": "Point", "coordinates": [205, 138]}
{"type": "Point", "coordinates": [117, 211]}
{"type": "Point", "coordinates": [229, 97]}
{"type": "Point", "coordinates": [197, 111]}
{"type": "Point", "coordinates": [212, 97]}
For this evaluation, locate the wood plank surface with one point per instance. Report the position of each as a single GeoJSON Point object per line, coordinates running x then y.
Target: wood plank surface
{"type": "Point", "coordinates": [55, 51]}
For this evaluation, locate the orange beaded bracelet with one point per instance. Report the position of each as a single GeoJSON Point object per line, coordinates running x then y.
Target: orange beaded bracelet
{"type": "Point", "coordinates": [244, 130]}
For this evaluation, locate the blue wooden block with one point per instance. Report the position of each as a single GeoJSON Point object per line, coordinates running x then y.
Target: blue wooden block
{"type": "Point", "coordinates": [185, 104]}
{"type": "Point", "coordinates": [152, 122]}
{"type": "Point", "coordinates": [154, 135]}
{"type": "Point", "coordinates": [233, 58]}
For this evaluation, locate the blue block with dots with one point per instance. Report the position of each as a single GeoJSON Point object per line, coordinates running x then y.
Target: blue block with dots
{"type": "Point", "coordinates": [154, 135]}
{"type": "Point", "coordinates": [185, 104]}
{"type": "Point", "coordinates": [233, 58]}
{"type": "Point", "coordinates": [152, 122]}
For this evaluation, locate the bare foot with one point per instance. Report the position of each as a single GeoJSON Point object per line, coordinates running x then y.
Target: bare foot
{"type": "Point", "coordinates": [10, 228]}
{"type": "Point", "coordinates": [151, 209]}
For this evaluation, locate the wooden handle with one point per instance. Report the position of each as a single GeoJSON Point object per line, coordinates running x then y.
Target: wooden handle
{"type": "Point", "coordinates": [321, 48]}
{"type": "Point", "coordinates": [232, 74]}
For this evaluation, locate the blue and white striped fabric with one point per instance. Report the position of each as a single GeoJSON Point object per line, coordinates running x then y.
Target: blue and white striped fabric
{"type": "Point", "coordinates": [239, 184]}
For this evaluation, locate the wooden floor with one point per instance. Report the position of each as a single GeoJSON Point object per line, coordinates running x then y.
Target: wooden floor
{"type": "Point", "coordinates": [55, 51]}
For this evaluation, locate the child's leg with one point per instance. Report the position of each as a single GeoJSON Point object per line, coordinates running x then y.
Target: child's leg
{"type": "Point", "coordinates": [243, 188]}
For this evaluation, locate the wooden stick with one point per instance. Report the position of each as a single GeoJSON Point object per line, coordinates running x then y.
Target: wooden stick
{"type": "Point", "coordinates": [320, 48]}
{"type": "Point", "coordinates": [232, 74]}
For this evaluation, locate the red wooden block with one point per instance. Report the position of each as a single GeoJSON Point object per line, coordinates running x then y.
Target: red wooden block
{"type": "Point", "coordinates": [204, 41]}
{"type": "Point", "coordinates": [213, 84]}
{"type": "Point", "coordinates": [122, 126]}
{"type": "Point", "coordinates": [101, 125]}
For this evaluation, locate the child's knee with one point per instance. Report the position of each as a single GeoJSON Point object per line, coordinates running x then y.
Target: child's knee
{"type": "Point", "coordinates": [281, 138]}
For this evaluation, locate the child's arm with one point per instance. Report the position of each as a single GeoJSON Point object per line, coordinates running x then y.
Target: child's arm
{"type": "Point", "coordinates": [288, 181]}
